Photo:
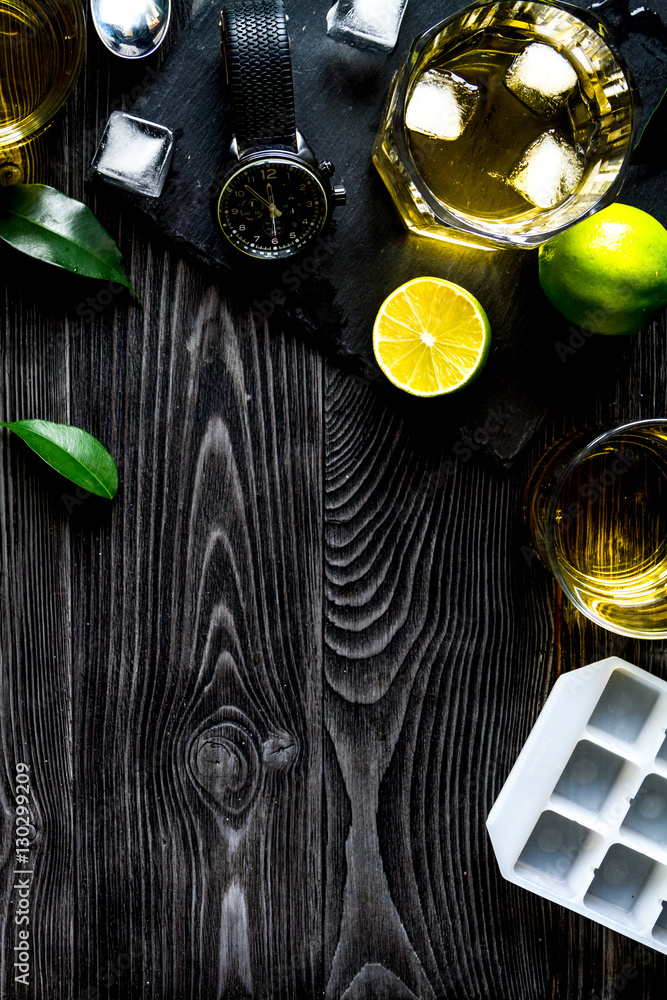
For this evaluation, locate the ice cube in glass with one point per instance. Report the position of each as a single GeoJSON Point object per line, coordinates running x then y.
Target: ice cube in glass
{"type": "Point", "coordinates": [442, 105]}
{"type": "Point", "coordinates": [548, 172]}
{"type": "Point", "coordinates": [541, 78]}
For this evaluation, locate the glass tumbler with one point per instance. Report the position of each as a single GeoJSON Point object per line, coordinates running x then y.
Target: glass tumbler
{"type": "Point", "coordinates": [508, 122]}
{"type": "Point", "coordinates": [42, 44]}
{"type": "Point", "coordinates": [597, 513]}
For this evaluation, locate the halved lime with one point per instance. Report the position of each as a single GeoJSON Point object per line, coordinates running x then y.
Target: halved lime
{"type": "Point", "coordinates": [431, 337]}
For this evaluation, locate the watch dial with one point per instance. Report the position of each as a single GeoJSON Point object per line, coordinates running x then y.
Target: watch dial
{"type": "Point", "coordinates": [272, 208]}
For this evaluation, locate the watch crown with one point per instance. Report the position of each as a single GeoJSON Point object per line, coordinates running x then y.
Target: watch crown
{"type": "Point", "coordinates": [327, 168]}
{"type": "Point", "coordinates": [340, 194]}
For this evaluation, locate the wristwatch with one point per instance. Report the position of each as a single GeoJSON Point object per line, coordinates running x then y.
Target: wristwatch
{"type": "Point", "coordinates": [276, 198]}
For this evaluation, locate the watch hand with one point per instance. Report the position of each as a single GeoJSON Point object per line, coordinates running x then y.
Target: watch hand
{"type": "Point", "coordinates": [273, 221]}
{"type": "Point", "coordinates": [275, 213]}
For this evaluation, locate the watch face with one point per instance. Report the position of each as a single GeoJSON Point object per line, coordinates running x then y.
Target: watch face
{"type": "Point", "coordinates": [272, 208]}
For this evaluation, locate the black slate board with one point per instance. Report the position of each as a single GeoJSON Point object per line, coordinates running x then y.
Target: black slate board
{"type": "Point", "coordinates": [340, 93]}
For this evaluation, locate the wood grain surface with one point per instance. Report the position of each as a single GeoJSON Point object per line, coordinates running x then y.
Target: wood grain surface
{"type": "Point", "coordinates": [269, 694]}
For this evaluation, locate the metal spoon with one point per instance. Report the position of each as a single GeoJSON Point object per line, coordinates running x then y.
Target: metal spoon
{"type": "Point", "coordinates": [131, 29]}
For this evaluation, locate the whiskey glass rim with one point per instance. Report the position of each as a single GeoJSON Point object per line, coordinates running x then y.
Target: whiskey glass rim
{"type": "Point", "coordinates": [450, 218]}
{"type": "Point", "coordinates": [546, 543]}
{"type": "Point", "coordinates": [16, 135]}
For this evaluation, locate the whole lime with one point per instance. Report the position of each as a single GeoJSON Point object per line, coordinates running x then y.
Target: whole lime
{"type": "Point", "coordinates": [607, 274]}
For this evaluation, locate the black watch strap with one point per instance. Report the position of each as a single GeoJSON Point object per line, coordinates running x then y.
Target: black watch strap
{"type": "Point", "coordinates": [259, 71]}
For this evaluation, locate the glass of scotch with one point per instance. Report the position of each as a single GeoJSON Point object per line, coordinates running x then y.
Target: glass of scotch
{"type": "Point", "coordinates": [597, 513]}
{"type": "Point", "coordinates": [509, 122]}
{"type": "Point", "coordinates": [42, 45]}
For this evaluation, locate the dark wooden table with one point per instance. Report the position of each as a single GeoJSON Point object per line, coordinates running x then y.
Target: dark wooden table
{"type": "Point", "coordinates": [269, 694]}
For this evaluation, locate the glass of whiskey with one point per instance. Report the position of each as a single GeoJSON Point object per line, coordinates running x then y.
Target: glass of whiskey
{"type": "Point", "coordinates": [509, 122]}
{"type": "Point", "coordinates": [596, 507]}
{"type": "Point", "coordinates": [42, 45]}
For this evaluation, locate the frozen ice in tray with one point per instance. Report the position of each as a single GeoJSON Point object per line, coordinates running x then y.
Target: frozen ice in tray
{"type": "Point", "coordinates": [541, 78]}
{"type": "Point", "coordinates": [582, 817]}
{"type": "Point", "coordinates": [441, 105]}
{"type": "Point", "coordinates": [367, 24]}
{"type": "Point", "coordinates": [548, 172]}
{"type": "Point", "coordinates": [134, 154]}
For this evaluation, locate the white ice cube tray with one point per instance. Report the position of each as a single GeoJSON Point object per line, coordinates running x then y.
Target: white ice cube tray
{"type": "Point", "coordinates": [582, 817]}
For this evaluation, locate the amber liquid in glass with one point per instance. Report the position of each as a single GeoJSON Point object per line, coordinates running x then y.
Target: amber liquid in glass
{"type": "Point", "coordinates": [610, 531]}
{"type": "Point", "coordinates": [471, 174]}
{"type": "Point", "coordinates": [40, 51]}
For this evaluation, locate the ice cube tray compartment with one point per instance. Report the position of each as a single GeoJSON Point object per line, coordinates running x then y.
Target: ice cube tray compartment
{"type": "Point", "coordinates": [622, 881]}
{"type": "Point", "coordinates": [660, 929]}
{"type": "Point", "coordinates": [554, 850]}
{"type": "Point", "coordinates": [582, 817]}
{"type": "Point", "coordinates": [648, 810]}
{"type": "Point", "coordinates": [624, 707]}
{"type": "Point", "coordinates": [589, 775]}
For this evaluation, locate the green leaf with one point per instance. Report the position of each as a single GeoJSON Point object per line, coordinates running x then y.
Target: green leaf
{"type": "Point", "coordinates": [73, 453]}
{"type": "Point", "coordinates": [650, 147]}
{"type": "Point", "coordinates": [46, 224]}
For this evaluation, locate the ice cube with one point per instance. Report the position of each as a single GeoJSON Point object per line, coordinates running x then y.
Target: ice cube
{"type": "Point", "coordinates": [541, 78]}
{"type": "Point", "coordinates": [134, 154]}
{"type": "Point", "coordinates": [442, 104]}
{"type": "Point", "coordinates": [367, 24]}
{"type": "Point", "coordinates": [548, 172]}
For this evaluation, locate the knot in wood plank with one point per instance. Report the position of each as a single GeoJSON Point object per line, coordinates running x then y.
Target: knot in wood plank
{"type": "Point", "coordinates": [280, 751]}
{"type": "Point", "coordinates": [226, 764]}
